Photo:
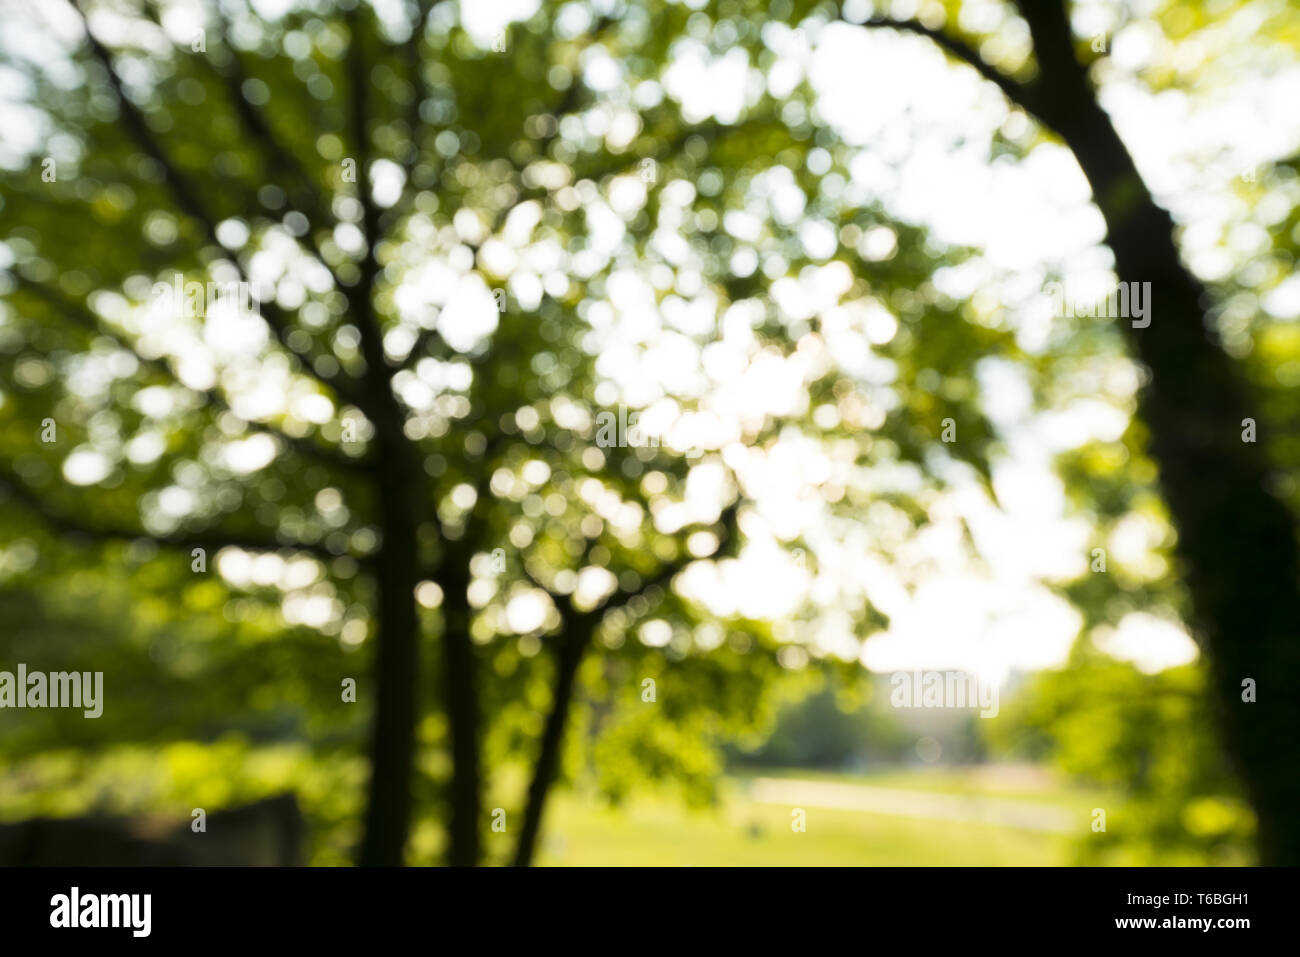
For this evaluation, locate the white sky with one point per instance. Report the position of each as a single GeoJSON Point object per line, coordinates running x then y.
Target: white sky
{"type": "Point", "coordinates": [879, 87]}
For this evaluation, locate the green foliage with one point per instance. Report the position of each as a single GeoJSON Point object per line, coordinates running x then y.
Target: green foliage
{"type": "Point", "coordinates": [825, 731]}
{"type": "Point", "coordinates": [1148, 737]}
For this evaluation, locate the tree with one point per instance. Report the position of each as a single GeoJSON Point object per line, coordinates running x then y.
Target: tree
{"type": "Point", "coordinates": [421, 229]}
{"type": "Point", "coordinates": [1237, 541]}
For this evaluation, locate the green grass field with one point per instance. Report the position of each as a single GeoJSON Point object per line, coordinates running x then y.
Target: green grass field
{"type": "Point", "coordinates": [745, 830]}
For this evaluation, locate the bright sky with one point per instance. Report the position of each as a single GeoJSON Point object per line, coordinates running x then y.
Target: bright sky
{"type": "Point", "coordinates": [1028, 218]}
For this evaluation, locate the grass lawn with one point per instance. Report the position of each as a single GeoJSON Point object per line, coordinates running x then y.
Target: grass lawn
{"type": "Point", "coordinates": [743, 831]}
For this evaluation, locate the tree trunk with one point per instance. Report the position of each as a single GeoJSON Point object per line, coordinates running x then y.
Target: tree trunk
{"type": "Point", "coordinates": [573, 646]}
{"type": "Point", "coordinates": [399, 489]}
{"type": "Point", "coordinates": [1236, 540]}
{"type": "Point", "coordinates": [392, 750]}
{"type": "Point", "coordinates": [460, 688]}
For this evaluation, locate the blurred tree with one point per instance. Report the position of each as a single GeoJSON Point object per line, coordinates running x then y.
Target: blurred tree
{"type": "Point", "coordinates": [452, 252]}
{"type": "Point", "coordinates": [826, 731]}
{"type": "Point", "coordinates": [1237, 541]}
{"type": "Point", "coordinates": [474, 258]}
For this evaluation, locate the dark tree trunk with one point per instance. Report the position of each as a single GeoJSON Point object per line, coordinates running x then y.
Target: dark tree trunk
{"type": "Point", "coordinates": [403, 500]}
{"type": "Point", "coordinates": [461, 691]}
{"type": "Point", "coordinates": [399, 490]}
{"type": "Point", "coordinates": [1236, 540]}
{"type": "Point", "coordinates": [392, 749]}
{"type": "Point", "coordinates": [572, 647]}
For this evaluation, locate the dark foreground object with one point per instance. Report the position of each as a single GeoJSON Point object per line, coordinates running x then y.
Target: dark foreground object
{"type": "Point", "coordinates": [267, 833]}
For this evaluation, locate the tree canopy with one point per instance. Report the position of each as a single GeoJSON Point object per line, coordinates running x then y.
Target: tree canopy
{"type": "Point", "coordinates": [489, 371]}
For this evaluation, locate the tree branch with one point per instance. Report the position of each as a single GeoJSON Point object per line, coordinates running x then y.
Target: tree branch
{"type": "Point", "coordinates": [208, 539]}
{"type": "Point", "coordinates": [563, 108]}
{"type": "Point", "coordinates": [1024, 95]}
{"type": "Point", "coordinates": [577, 631]}
{"type": "Point", "coordinates": [187, 200]}
{"type": "Point", "coordinates": [277, 155]}
{"type": "Point", "coordinates": [361, 297]}
{"type": "Point", "coordinates": [80, 315]}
